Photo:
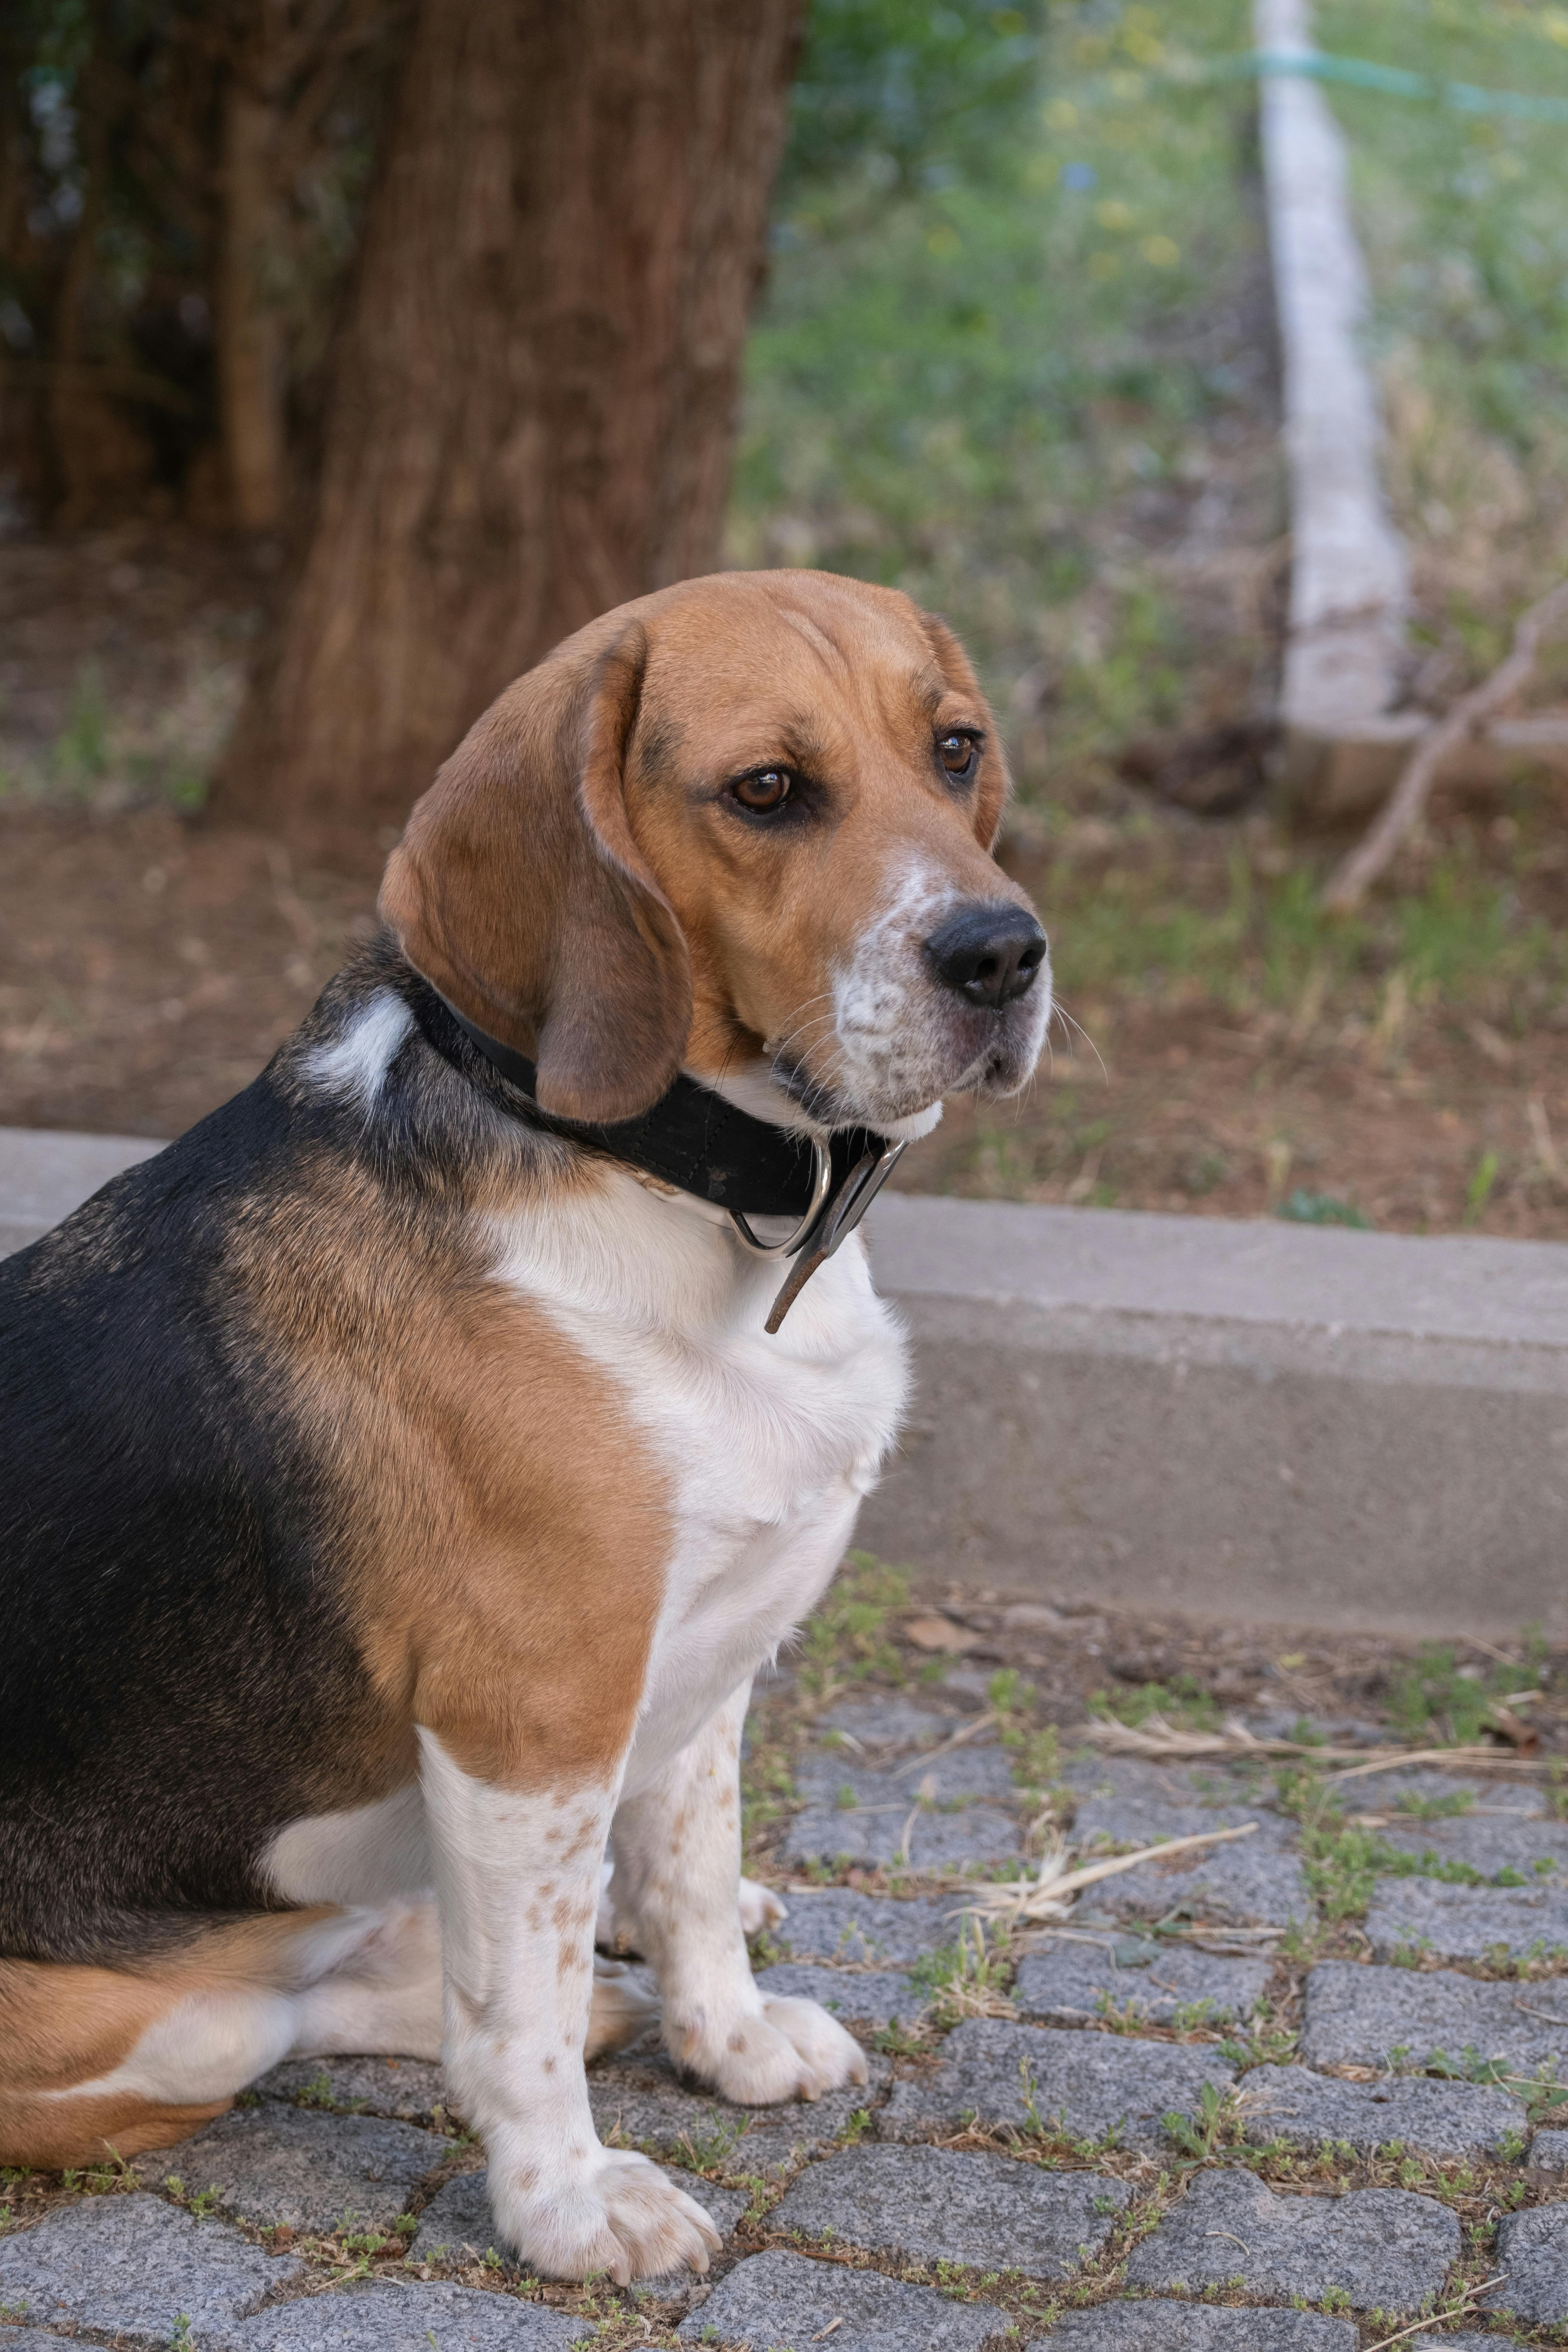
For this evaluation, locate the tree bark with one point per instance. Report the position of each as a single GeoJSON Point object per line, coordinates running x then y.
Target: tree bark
{"type": "Point", "coordinates": [249, 328]}
{"type": "Point", "coordinates": [534, 393]}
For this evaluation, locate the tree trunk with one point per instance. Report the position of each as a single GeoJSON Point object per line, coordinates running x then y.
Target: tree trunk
{"type": "Point", "coordinates": [534, 394]}
{"type": "Point", "coordinates": [249, 329]}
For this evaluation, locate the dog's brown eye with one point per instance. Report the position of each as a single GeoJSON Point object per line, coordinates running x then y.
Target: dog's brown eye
{"type": "Point", "coordinates": [956, 753]}
{"type": "Point", "coordinates": [762, 794]}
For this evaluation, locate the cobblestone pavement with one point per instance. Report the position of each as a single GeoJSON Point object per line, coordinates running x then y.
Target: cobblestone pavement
{"type": "Point", "coordinates": [1294, 2094]}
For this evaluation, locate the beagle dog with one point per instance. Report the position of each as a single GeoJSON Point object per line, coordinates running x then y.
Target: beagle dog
{"type": "Point", "coordinates": [403, 1474]}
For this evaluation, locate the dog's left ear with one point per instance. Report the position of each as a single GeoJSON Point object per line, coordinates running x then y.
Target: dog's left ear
{"type": "Point", "coordinates": [519, 893]}
{"type": "Point", "coordinates": [995, 784]}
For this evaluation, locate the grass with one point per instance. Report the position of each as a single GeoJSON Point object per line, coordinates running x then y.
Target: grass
{"type": "Point", "coordinates": [1463, 220]}
{"type": "Point", "coordinates": [969, 345]}
{"type": "Point", "coordinates": [846, 1638]}
{"type": "Point", "coordinates": [1432, 1698]}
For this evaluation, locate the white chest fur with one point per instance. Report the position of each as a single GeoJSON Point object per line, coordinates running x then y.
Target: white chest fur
{"type": "Point", "coordinates": [769, 1442]}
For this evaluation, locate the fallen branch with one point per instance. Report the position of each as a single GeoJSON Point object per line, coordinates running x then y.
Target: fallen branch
{"type": "Point", "coordinates": [1355, 874]}
{"type": "Point", "coordinates": [1159, 1742]}
{"type": "Point", "coordinates": [1047, 1896]}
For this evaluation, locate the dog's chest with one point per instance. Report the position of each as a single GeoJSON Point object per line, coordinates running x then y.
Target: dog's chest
{"type": "Point", "coordinates": [767, 1445]}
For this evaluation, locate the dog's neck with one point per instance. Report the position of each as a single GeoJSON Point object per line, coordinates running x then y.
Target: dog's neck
{"type": "Point", "coordinates": [703, 1143]}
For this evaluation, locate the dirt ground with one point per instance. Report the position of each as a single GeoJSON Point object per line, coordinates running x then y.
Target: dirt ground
{"type": "Point", "coordinates": [151, 959]}
{"type": "Point", "coordinates": [150, 962]}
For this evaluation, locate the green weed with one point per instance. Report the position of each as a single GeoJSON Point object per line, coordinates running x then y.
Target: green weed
{"type": "Point", "coordinates": [846, 1638]}
{"type": "Point", "coordinates": [1183, 1702]}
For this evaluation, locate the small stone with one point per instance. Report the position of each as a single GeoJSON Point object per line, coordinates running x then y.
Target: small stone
{"type": "Point", "coordinates": [837, 1924]}
{"type": "Point", "coordinates": [130, 2265]}
{"type": "Point", "coordinates": [871, 1996]}
{"type": "Point", "coordinates": [1095, 2084]}
{"type": "Point", "coordinates": [1383, 2248]}
{"type": "Point", "coordinates": [1533, 2255]}
{"type": "Point", "coordinates": [778, 2299]}
{"type": "Point", "coordinates": [641, 2103]}
{"type": "Point", "coordinates": [1403, 2017]}
{"type": "Point", "coordinates": [1439, 2119]}
{"type": "Point", "coordinates": [1152, 1981]}
{"type": "Point", "coordinates": [932, 2204]}
{"type": "Point", "coordinates": [274, 2163]}
{"type": "Point", "coordinates": [1196, 2327]}
{"type": "Point", "coordinates": [1412, 1916]}
{"type": "Point", "coordinates": [458, 2220]}
{"type": "Point", "coordinates": [395, 2316]}
{"type": "Point", "coordinates": [1549, 2152]}
{"type": "Point", "coordinates": [409, 2089]}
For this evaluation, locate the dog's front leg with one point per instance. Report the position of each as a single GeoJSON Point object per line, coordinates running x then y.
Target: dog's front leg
{"type": "Point", "coordinates": [517, 1877]}
{"type": "Point", "coordinates": [676, 1897]}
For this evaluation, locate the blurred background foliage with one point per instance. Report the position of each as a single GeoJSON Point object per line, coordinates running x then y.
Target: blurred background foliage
{"type": "Point", "coordinates": [1017, 356]}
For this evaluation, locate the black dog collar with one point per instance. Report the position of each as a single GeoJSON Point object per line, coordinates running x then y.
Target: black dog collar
{"type": "Point", "coordinates": [694, 1139]}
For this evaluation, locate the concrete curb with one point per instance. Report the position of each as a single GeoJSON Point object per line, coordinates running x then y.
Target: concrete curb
{"type": "Point", "coordinates": [1261, 1420]}
{"type": "Point", "coordinates": [46, 1173]}
{"type": "Point", "coordinates": [1314, 1428]}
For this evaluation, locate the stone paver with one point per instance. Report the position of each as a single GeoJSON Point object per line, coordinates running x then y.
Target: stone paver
{"type": "Point", "coordinates": [275, 2163]}
{"type": "Point", "coordinates": [1096, 2082]}
{"type": "Point", "coordinates": [1440, 2119]}
{"type": "Point", "coordinates": [838, 1923]}
{"type": "Point", "coordinates": [395, 2316]}
{"type": "Point", "coordinates": [1513, 1799]}
{"type": "Point", "coordinates": [1191, 2328]}
{"type": "Point", "coordinates": [932, 2204]}
{"type": "Point", "coordinates": [1465, 1923]}
{"type": "Point", "coordinates": [876, 1995]}
{"type": "Point", "coordinates": [1077, 1980]}
{"type": "Point", "coordinates": [458, 2216]}
{"type": "Point", "coordinates": [1245, 1885]}
{"type": "Point", "coordinates": [1549, 2152]}
{"type": "Point", "coordinates": [862, 1813]}
{"type": "Point", "coordinates": [887, 1723]}
{"type": "Point", "coordinates": [409, 2089]}
{"type": "Point", "coordinates": [1459, 2343]}
{"type": "Point", "coordinates": [1533, 2255]}
{"type": "Point", "coordinates": [643, 2099]}
{"type": "Point", "coordinates": [130, 2265]}
{"type": "Point", "coordinates": [784, 2299]}
{"type": "Point", "coordinates": [1359, 2016]}
{"type": "Point", "coordinates": [1487, 1842]}
{"type": "Point", "coordinates": [1383, 2248]}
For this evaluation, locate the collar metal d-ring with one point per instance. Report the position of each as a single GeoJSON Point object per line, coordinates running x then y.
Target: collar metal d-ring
{"type": "Point", "coordinates": [821, 1180]}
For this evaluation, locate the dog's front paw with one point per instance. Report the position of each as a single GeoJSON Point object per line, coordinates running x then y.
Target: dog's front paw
{"type": "Point", "coordinates": [619, 2215]}
{"type": "Point", "coordinates": [792, 2051]}
{"type": "Point", "coordinates": [760, 1908]}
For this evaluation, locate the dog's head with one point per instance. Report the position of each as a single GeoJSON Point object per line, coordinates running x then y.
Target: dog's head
{"type": "Point", "coordinates": [743, 826]}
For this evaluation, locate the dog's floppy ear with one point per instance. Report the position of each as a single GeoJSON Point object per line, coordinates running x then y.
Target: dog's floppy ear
{"type": "Point", "coordinates": [518, 892]}
{"type": "Point", "coordinates": [995, 781]}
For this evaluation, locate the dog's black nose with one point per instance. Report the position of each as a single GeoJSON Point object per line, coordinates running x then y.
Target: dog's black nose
{"type": "Point", "coordinates": [989, 951]}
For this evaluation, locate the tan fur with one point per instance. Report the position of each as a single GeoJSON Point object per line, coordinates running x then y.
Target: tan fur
{"type": "Point", "coordinates": [572, 884]}
{"type": "Point", "coordinates": [562, 886]}
{"type": "Point", "coordinates": [60, 2025]}
{"type": "Point", "coordinates": [504, 1526]}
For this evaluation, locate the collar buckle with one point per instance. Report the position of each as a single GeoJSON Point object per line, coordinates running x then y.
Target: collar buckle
{"type": "Point", "coordinates": [835, 1222]}
{"type": "Point", "coordinates": [822, 1179]}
